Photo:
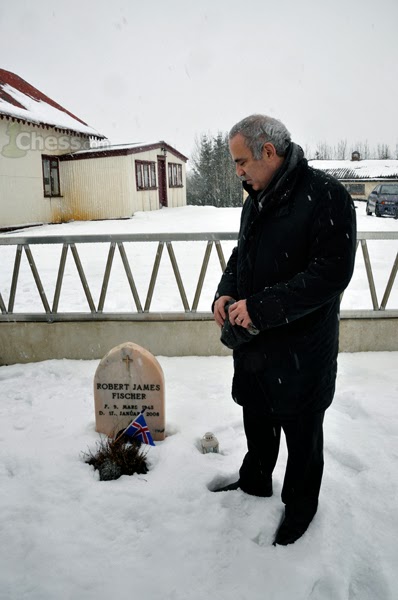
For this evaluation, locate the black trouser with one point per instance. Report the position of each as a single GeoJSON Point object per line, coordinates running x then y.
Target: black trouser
{"type": "Point", "coordinates": [304, 439]}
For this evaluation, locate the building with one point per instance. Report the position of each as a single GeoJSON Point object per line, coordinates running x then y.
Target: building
{"type": "Point", "coordinates": [34, 132]}
{"type": "Point", "coordinates": [360, 177]}
{"type": "Point", "coordinates": [116, 181]}
{"type": "Point", "coordinates": [50, 171]}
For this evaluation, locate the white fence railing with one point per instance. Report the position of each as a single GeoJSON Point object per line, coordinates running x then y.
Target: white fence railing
{"type": "Point", "coordinates": [140, 306]}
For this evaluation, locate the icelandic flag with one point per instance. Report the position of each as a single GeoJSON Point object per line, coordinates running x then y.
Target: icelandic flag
{"type": "Point", "coordinates": [139, 430]}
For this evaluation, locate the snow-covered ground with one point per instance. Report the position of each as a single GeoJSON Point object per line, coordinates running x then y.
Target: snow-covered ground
{"type": "Point", "coordinates": [189, 256]}
{"type": "Point", "coordinates": [67, 536]}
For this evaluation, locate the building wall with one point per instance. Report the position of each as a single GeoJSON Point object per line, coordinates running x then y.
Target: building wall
{"type": "Point", "coordinates": [144, 199]}
{"type": "Point", "coordinates": [99, 188]}
{"type": "Point", "coordinates": [22, 199]}
{"type": "Point", "coordinates": [369, 186]}
{"type": "Point", "coordinates": [149, 199]}
{"type": "Point", "coordinates": [106, 187]}
{"type": "Point", "coordinates": [178, 196]}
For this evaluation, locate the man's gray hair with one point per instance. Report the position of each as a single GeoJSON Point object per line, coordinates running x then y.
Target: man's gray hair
{"type": "Point", "coordinates": [259, 129]}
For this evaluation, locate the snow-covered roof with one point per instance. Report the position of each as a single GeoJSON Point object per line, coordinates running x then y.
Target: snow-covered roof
{"type": "Point", "coordinates": [104, 147]}
{"type": "Point", "coordinates": [358, 169]}
{"type": "Point", "coordinates": [20, 100]}
{"type": "Point", "coordinates": [122, 150]}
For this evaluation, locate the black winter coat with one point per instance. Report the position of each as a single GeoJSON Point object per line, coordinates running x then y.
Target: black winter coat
{"type": "Point", "coordinates": [293, 260]}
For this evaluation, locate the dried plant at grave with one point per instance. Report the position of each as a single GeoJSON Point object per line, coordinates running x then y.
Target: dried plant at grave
{"type": "Point", "coordinates": [116, 457]}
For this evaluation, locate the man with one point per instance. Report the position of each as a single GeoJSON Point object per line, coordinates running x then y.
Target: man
{"type": "Point", "coordinates": [295, 256]}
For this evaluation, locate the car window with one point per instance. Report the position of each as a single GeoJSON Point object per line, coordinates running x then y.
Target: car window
{"type": "Point", "coordinates": [389, 189]}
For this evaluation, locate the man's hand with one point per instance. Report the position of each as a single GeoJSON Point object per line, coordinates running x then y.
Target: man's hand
{"type": "Point", "coordinates": [238, 314]}
{"type": "Point", "coordinates": [219, 309]}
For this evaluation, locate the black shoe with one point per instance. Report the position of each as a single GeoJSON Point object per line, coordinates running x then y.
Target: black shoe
{"type": "Point", "coordinates": [292, 527]}
{"type": "Point", "coordinates": [266, 492]}
{"type": "Point", "coordinates": [228, 488]}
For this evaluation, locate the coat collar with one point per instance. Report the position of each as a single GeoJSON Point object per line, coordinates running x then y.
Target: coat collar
{"type": "Point", "coordinates": [277, 194]}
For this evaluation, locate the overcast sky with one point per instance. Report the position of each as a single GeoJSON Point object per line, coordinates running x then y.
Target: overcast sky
{"type": "Point", "coordinates": [145, 71]}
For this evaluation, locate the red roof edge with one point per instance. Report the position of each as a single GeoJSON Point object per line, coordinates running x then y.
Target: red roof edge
{"type": "Point", "coordinates": [105, 153]}
{"type": "Point", "coordinates": [8, 78]}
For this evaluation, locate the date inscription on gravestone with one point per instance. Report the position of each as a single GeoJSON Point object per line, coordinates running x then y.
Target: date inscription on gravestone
{"type": "Point", "coordinates": [127, 380]}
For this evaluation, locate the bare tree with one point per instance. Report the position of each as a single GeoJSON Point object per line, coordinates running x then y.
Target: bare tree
{"type": "Point", "coordinates": [340, 152]}
{"type": "Point", "coordinates": [383, 151]}
{"type": "Point", "coordinates": [309, 154]}
{"type": "Point", "coordinates": [323, 151]}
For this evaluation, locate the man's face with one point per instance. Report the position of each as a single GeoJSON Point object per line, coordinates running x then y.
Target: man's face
{"type": "Point", "coordinates": [257, 173]}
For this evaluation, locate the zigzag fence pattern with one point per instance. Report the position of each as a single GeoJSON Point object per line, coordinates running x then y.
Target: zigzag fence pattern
{"type": "Point", "coordinates": [141, 306]}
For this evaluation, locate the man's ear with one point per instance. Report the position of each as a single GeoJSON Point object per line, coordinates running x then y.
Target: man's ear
{"type": "Point", "coordinates": [269, 150]}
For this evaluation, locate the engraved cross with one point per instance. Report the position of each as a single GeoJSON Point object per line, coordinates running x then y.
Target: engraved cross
{"type": "Point", "coordinates": [127, 360]}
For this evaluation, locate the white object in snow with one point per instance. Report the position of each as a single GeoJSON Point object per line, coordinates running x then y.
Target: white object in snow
{"type": "Point", "coordinates": [209, 443]}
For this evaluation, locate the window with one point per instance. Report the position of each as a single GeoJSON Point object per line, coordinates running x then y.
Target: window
{"type": "Point", "coordinates": [50, 166]}
{"type": "Point", "coordinates": [355, 188]}
{"type": "Point", "coordinates": [175, 175]}
{"type": "Point", "coordinates": [145, 173]}
{"type": "Point", "coordinates": [390, 188]}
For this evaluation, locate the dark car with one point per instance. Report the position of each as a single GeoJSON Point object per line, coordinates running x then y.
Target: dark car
{"type": "Point", "coordinates": [383, 200]}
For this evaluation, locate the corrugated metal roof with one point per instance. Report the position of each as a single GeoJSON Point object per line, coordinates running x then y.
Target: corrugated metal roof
{"type": "Point", "coordinates": [20, 100]}
{"type": "Point", "coordinates": [358, 169]}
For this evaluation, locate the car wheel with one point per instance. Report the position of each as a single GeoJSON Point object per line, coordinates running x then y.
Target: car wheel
{"type": "Point", "coordinates": [368, 212]}
{"type": "Point", "coordinates": [377, 213]}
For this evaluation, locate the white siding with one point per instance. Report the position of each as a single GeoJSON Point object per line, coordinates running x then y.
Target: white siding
{"type": "Point", "coordinates": [177, 196]}
{"type": "Point", "coordinates": [97, 188]}
{"type": "Point", "coordinates": [106, 187]}
{"type": "Point", "coordinates": [144, 199]}
{"type": "Point", "coordinates": [22, 199]}
{"type": "Point", "coordinates": [149, 199]}
{"type": "Point", "coordinates": [92, 188]}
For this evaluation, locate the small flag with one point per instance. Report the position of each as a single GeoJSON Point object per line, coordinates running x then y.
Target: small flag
{"type": "Point", "coordinates": [139, 429]}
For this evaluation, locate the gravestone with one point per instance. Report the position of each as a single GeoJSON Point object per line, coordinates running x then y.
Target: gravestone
{"type": "Point", "coordinates": [128, 379]}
